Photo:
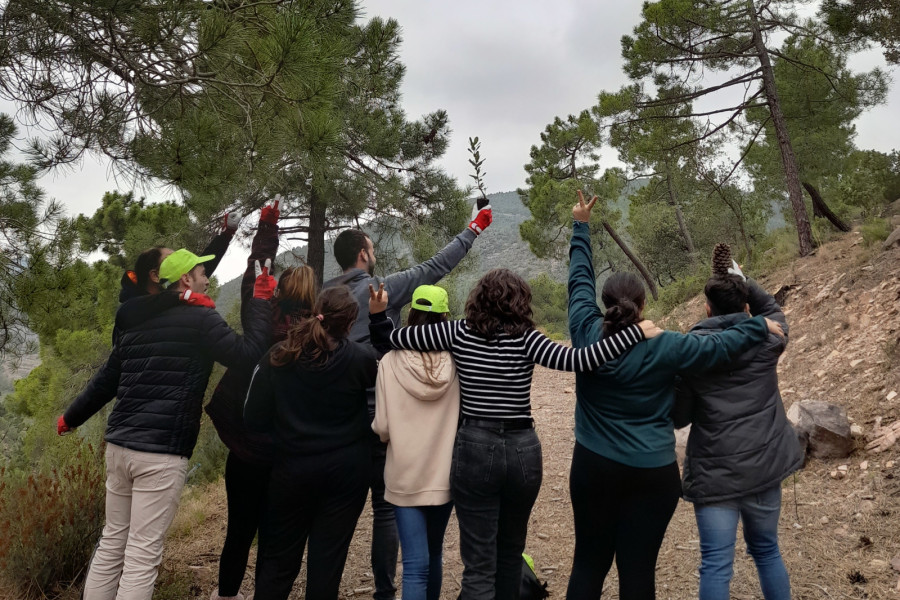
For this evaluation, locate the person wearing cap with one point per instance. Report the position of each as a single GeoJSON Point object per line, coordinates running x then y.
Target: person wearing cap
{"type": "Point", "coordinates": [160, 364]}
{"type": "Point", "coordinates": [355, 254]}
{"type": "Point", "coordinates": [145, 279]}
{"type": "Point", "coordinates": [416, 411]}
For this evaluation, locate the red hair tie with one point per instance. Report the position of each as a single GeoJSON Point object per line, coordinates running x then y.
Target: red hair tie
{"type": "Point", "coordinates": [320, 317]}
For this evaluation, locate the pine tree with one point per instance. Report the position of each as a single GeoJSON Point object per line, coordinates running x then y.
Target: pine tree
{"type": "Point", "coordinates": [678, 39]}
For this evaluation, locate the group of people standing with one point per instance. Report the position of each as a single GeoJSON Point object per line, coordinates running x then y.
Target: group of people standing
{"type": "Point", "coordinates": [325, 399]}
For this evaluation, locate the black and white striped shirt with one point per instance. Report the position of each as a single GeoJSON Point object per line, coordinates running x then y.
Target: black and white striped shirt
{"type": "Point", "coordinates": [495, 375]}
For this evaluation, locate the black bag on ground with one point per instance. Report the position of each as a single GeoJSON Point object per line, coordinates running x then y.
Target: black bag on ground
{"type": "Point", "coordinates": [532, 587]}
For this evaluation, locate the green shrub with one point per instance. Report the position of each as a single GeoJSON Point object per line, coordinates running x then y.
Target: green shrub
{"type": "Point", "coordinates": [550, 302]}
{"type": "Point", "coordinates": [823, 232]}
{"type": "Point", "coordinates": [208, 460]}
{"type": "Point", "coordinates": [679, 291]}
{"type": "Point", "coordinates": [49, 523]}
{"type": "Point", "coordinates": [778, 248]}
{"type": "Point", "coordinates": [875, 230]}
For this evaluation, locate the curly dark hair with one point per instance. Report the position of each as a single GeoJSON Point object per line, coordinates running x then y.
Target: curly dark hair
{"type": "Point", "coordinates": [499, 302]}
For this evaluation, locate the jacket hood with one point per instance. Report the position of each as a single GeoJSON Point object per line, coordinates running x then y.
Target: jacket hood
{"type": "Point", "coordinates": [323, 375]}
{"type": "Point", "coordinates": [420, 381]}
{"type": "Point", "coordinates": [348, 278]}
{"type": "Point", "coordinates": [139, 309]}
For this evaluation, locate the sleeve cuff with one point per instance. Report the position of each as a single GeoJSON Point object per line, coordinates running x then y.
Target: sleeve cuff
{"type": "Point", "coordinates": [638, 332]}
{"type": "Point", "coordinates": [379, 317]}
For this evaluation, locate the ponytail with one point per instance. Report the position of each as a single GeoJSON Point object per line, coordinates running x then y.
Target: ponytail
{"type": "Point", "coordinates": [313, 338]}
{"type": "Point", "coordinates": [623, 296]}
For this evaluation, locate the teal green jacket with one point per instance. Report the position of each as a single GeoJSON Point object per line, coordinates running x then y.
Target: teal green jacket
{"type": "Point", "coordinates": [623, 409]}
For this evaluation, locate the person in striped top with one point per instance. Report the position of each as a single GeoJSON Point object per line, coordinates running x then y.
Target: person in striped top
{"type": "Point", "coordinates": [497, 466]}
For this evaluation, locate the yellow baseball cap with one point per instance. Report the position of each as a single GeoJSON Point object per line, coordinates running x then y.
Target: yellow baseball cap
{"type": "Point", "coordinates": [430, 298]}
{"type": "Point", "coordinates": [180, 262]}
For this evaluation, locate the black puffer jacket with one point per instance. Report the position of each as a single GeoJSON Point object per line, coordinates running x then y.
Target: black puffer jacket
{"type": "Point", "coordinates": [159, 368]}
{"type": "Point", "coordinates": [741, 441]}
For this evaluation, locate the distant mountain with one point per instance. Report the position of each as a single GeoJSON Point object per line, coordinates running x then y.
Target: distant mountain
{"type": "Point", "coordinates": [499, 246]}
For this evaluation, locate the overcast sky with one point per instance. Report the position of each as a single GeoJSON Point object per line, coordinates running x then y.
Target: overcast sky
{"type": "Point", "coordinates": [502, 70]}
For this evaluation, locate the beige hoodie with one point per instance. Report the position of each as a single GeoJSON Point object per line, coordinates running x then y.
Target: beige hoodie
{"type": "Point", "coordinates": [417, 416]}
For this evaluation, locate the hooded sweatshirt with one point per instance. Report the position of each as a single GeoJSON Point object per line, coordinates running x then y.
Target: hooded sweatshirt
{"type": "Point", "coordinates": [416, 413]}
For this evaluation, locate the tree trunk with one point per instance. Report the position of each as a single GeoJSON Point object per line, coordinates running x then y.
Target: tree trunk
{"type": "Point", "coordinates": [788, 159]}
{"type": "Point", "coordinates": [634, 259]}
{"type": "Point", "coordinates": [679, 216]}
{"type": "Point", "coordinates": [820, 209]}
{"type": "Point", "coordinates": [315, 256]}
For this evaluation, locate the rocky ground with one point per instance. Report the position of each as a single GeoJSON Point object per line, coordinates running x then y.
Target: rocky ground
{"type": "Point", "coordinates": [840, 523]}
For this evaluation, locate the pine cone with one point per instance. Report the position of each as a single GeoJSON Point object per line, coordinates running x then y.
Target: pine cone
{"type": "Point", "coordinates": [721, 260]}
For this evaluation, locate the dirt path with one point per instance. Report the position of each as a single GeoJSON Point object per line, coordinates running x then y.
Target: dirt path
{"type": "Point", "coordinates": [839, 536]}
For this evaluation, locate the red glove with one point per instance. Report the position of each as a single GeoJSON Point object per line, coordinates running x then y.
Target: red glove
{"type": "Point", "coordinates": [196, 299]}
{"type": "Point", "coordinates": [270, 214]}
{"type": "Point", "coordinates": [264, 288]}
{"type": "Point", "coordinates": [231, 221]}
{"type": "Point", "coordinates": [481, 221]}
{"type": "Point", "coordinates": [61, 427]}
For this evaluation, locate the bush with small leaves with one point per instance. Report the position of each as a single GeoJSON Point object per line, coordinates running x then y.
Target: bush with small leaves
{"type": "Point", "coordinates": [50, 522]}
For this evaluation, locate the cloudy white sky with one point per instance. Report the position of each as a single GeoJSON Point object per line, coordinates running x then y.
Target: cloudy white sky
{"type": "Point", "coordinates": [503, 70]}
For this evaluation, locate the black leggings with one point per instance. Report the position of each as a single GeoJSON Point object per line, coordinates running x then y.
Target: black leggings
{"type": "Point", "coordinates": [246, 485]}
{"type": "Point", "coordinates": [620, 512]}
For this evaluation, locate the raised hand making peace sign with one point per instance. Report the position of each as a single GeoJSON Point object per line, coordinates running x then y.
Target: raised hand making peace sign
{"type": "Point", "coordinates": [378, 301]}
{"type": "Point", "coordinates": [581, 211]}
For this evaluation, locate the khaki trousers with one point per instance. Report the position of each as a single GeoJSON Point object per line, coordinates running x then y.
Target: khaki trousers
{"type": "Point", "coordinates": [142, 493]}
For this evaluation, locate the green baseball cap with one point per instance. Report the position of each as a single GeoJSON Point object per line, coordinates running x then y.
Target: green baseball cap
{"type": "Point", "coordinates": [180, 262]}
{"type": "Point", "coordinates": [430, 298]}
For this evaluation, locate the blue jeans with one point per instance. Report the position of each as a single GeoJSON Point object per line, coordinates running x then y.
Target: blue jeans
{"type": "Point", "coordinates": [494, 480]}
{"type": "Point", "coordinates": [421, 530]}
{"type": "Point", "coordinates": [718, 529]}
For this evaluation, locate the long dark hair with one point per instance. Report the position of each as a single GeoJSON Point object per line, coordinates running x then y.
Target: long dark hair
{"type": "Point", "coordinates": [499, 302]}
{"type": "Point", "coordinates": [623, 296]}
{"type": "Point", "coordinates": [312, 339]}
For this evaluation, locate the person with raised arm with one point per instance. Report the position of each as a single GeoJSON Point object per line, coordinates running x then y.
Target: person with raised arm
{"type": "Point", "coordinates": [741, 445]}
{"type": "Point", "coordinates": [159, 367]}
{"type": "Point", "coordinates": [355, 254]}
{"type": "Point", "coordinates": [250, 454]}
{"type": "Point", "coordinates": [624, 480]}
{"type": "Point", "coordinates": [497, 468]}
